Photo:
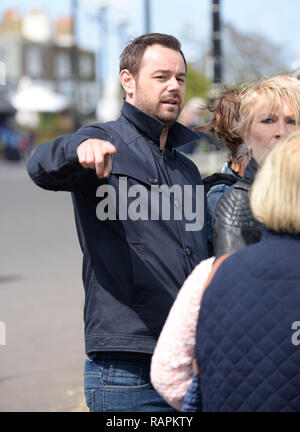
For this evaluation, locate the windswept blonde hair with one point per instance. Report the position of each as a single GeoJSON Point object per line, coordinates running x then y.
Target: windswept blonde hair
{"type": "Point", "coordinates": [275, 194]}
{"type": "Point", "coordinates": [271, 91]}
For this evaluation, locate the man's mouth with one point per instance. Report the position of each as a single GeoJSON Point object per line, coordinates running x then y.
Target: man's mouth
{"type": "Point", "coordinates": [170, 101]}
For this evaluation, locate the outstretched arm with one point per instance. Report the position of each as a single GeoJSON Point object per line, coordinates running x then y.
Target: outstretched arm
{"type": "Point", "coordinates": [59, 164]}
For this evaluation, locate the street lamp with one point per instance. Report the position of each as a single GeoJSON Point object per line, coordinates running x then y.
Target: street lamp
{"type": "Point", "coordinates": [147, 16]}
{"type": "Point", "coordinates": [102, 19]}
{"type": "Point", "coordinates": [122, 23]}
{"type": "Point", "coordinates": [216, 56]}
{"type": "Point", "coordinates": [75, 64]}
{"type": "Point", "coordinates": [216, 42]}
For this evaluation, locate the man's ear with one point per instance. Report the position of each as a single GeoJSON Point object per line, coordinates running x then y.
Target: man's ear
{"type": "Point", "coordinates": [128, 83]}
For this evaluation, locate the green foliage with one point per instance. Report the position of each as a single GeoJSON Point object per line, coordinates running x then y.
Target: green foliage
{"type": "Point", "coordinates": [53, 125]}
{"type": "Point", "coordinates": [197, 85]}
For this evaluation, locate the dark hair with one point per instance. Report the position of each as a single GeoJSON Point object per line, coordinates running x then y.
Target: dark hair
{"type": "Point", "coordinates": [225, 116]}
{"type": "Point", "coordinates": [132, 54]}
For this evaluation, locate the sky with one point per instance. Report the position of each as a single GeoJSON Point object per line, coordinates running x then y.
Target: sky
{"type": "Point", "coordinates": [189, 20]}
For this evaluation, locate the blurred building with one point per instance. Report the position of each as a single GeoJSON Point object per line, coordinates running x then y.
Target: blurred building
{"type": "Point", "coordinates": [32, 46]}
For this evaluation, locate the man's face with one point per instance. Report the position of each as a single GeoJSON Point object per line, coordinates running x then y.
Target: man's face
{"type": "Point", "coordinates": [159, 88]}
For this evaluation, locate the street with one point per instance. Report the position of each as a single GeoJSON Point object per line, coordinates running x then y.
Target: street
{"type": "Point", "coordinates": [41, 297]}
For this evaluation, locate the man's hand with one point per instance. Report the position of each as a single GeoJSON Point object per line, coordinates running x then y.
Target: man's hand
{"type": "Point", "coordinates": [96, 154]}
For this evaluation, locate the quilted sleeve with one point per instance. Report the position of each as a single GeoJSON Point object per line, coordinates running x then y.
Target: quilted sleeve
{"type": "Point", "coordinates": [230, 221]}
{"type": "Point", "coordinates": [171, 366]}
{"type": "Point", "coordinates": [234, 225]}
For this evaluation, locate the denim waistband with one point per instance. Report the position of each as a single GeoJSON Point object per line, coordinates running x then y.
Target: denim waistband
{"type": "Point", "coordinates": [120, 355]}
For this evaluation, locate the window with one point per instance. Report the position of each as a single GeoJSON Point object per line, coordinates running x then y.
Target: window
{"type": "Point", "coordinates": [62, 65]}
{"type": "Point", "coordinates": [86, 66]}
{"type": "Point", "coordinates": [34, 65]}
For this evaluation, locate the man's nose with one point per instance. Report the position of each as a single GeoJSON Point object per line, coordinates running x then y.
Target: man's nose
{"type": "Point", "coordinates": [173, 84]}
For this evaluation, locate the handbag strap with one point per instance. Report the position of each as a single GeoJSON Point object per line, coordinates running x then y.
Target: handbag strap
{"type": "Point", "coordinates": [214, 268]}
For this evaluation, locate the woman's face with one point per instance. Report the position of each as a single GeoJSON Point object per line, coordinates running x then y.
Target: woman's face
{"type": "Point", "coordinates": [269, 127]}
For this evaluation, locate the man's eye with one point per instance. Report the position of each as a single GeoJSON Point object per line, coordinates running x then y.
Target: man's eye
{"type": "Point", "coordinates": [181, 80]}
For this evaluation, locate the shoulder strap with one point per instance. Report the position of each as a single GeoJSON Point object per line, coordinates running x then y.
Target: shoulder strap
{"type": "Point", "coordinates": [214, 268]}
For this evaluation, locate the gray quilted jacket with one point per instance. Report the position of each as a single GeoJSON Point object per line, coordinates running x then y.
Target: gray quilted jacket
{"type": "Point", "coordinates": [234, 225]}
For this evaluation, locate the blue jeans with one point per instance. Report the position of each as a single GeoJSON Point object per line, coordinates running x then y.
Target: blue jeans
{"type": "Point", "coordinates": [121, 382]}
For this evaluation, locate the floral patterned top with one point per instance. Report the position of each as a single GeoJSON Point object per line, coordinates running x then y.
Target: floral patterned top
{"type": "Point", "coordinates": [172, 361]}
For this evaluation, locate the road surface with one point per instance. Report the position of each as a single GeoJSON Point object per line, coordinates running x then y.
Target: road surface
{"type": "Point", "coordinates": [41, 297]}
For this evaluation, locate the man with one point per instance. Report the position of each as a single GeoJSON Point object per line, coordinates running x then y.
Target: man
{"type": "Point", "coordinates": [135, 258]}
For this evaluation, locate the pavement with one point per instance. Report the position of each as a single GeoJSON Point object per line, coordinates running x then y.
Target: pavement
{"type": "Point", "coordinates": [41, 298]}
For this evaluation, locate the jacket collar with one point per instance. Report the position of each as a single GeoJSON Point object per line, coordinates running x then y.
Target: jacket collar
{"type": "Point", "coordinates": [268, 233]}
{"type": "Point", "coordinates": [134, 158]}
{"type": "Point", "coordinates": [251, 170]}
{"type": "Point", "coordinates": [152, 128]}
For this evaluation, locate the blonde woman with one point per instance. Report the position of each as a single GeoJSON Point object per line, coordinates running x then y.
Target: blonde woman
{"type": "Point", "coordinates": [247, 340]}
{"type": "Point", "coordinates": [269, 111]}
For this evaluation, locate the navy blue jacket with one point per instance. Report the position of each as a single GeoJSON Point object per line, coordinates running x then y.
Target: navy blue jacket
{"type": "Point", "coordinates": [132, 269]}
{"type": "Point", "coordinates": [247, 343]}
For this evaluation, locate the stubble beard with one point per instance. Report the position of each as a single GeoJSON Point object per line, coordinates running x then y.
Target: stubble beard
{"type": "Point", "coordinates": [167, 115]}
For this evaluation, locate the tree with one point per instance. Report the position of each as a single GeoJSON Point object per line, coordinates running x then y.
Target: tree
{"type": "Point", "coordinates": [251, 56]}
{"type": "Point", "coordinates": [197, 84]}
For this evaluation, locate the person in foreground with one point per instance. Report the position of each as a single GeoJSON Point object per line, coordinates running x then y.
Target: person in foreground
{"type": "Point", "coordinates": [247, 340]}
{"type": "Point", "coordinates": [269, 111]}
{"type": "Point", "coordinates": [133, 262]}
